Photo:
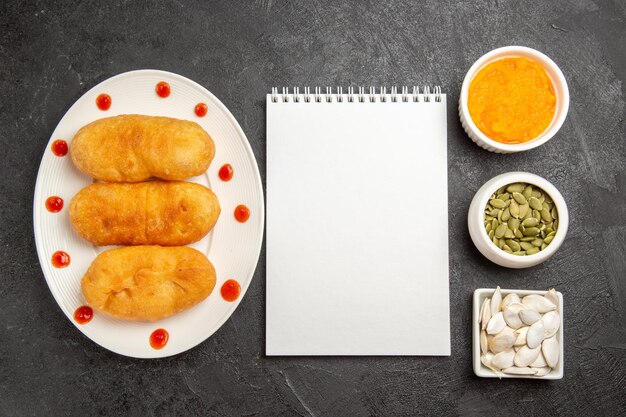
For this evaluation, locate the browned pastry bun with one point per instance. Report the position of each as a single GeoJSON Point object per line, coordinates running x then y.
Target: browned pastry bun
{"type": "Point", "coordinates": [133, 147]}
{"type": "Point", "coordinates": [148, 213]}
{"type": "Point", "coordinates": [147, 283]}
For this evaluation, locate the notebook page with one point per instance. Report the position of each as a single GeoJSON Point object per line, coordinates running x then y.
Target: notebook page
{"type": "Point", "coordinates": [357, 228]}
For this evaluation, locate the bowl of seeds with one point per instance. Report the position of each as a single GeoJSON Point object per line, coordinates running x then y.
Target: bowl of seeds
{"type": "Point", "coordinates": [518, 219]}
{"type": "Point", "coordinates": [518, 334]}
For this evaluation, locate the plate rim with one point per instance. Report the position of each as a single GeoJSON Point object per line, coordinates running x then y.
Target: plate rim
{"type": "Point", "coordinates": [258, 182]}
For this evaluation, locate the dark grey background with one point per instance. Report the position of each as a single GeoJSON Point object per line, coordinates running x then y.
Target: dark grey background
{"type": "Point", "coordinates": [52, 52]}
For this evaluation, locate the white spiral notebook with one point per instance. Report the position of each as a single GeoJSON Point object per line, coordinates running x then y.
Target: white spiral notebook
{"type": "Point", "coordinates": [357, 222]}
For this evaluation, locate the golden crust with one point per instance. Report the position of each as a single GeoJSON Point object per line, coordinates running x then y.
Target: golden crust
{"type": "Point", "coordinates": [148, 213]}
{"type": "Point", "coordinates": [133, 148]}
{"type": "Point", "coordinates": [147, 283]}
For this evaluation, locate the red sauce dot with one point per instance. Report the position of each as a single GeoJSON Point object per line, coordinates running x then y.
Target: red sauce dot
{"type": "Point", "coordinates": [54, 204]}
{"type": "Point", "coordinates": [230, 290]}
{"type": "Point", "coordinates": [60, 259]}
{"type": "Point", "coordinates": [201, 109]}
{"type": "Point", "coordinates": [159, 338]}
{"type": "Point", "coordinates": [59, 147]}
{"type": "Point", "coordinates": [163, 89]}
{"type": "Point", "coordinates": [226, 172]}
{"type": "Point", "coordinates": [104, 102]}
{"type": "Point", "coordinates": [242, 213]}
{"type": "Point", "coordinates": [83, 314]}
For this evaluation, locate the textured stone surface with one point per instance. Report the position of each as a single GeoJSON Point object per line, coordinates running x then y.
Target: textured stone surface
{"type": "Point", "coordinates": [52, 52]}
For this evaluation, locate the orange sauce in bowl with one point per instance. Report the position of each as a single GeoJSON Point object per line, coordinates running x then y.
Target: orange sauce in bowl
{"type": "Point", "coordinates": [512, 100]}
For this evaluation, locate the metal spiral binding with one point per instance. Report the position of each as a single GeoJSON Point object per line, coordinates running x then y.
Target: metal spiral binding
{"type": "Point", "coordinates": [405, 95]}
{"type": "Point", "coordinates": [438, 94]}
{"type": "Point", "coordinates": [350, 94]}
{"type": "Point", "coordinates": [394, 94]}
{"type": "Point", "coordinates": [296, 95]}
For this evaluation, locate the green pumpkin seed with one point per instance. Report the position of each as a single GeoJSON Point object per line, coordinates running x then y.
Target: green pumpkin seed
{"type": "Point", "coordinates": [518, 234]}
{"type": "Point", "coordinates": [544, 246]}
{"type": "Point", "coordinates": [548, 239]}
{"type": "Point", "coordinates": [527, 239]}
{"type": "Point", "coordinates": [501, 190]}
{"type": "Point", "coordinates": [488, 218]}
{"type": "Point", "coordinates": [536, 193]}
{"type": "Point", "coordinates": [513, 223]}
{"type": "Point", "coordinates": [495, 224]}
{"type": "Point", "coordinates": [514, 208]}
{"type": "Point", "coordinates": [488, 227]}
{"type": "Point", "coordinates": [506, 248]}
{"type": "Point", "coordinates": [490, 234]}
{"type": "Point", "coordinates": [537, 242]}
{"type": "Point", "coordinates": [527, 191]}
{"type": "Point", "coordinates": [531, 231]}
{"type": "Point", "coordinates": [526, 245]}
{"type": "Point", "coordinates": [535, 203]}
{"type": "Point", "coordinates": [495, 240]}
{"type": "Point", "coordinates": [545, 215]}
{"type": "Point", "coordinates": [519, 253]}
{"type": "Point", "coordinates": [524, 211]}
{"type": "Point", "coordinates": [530, 222]}
{"type": "Point", "coordinates": [499, 216]}
{"type": "Point", "coordinates": [537, 215]}
{"type": "Point", "coordinates": [519, 198]}
{"type": "Point", "coordinates": [515, 188]}
{"type": "Point", "coordinates": [500, 230]}
{"type": "Point", "coordinates": [496, 203]}
{"type": "Point", "coordinates": [548, 199]}
{"type": "Point", "coordinates": [503, 197]}
{"type": "Point", "coordinates": [553, 213]}
{"type": "Point", "coordinates": [532, 251]}
{"type": "Point", "coordinates": [494, 212]}
{"type": "Point", "coordinates": [509, 234]}
{"type": "Point", "coordinates": [506, 215]}
{"type": "Point", "coordinates": [513, 245]}
{"type": "Point", "coordinates": [542, 199]}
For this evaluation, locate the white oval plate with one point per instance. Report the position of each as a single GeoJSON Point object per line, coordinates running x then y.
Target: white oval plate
{"type": "Point", "coordinates": [232, 247]}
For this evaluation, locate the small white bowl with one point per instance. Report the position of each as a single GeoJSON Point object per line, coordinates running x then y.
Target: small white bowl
{"type": "Point", "coordinates": [484, 372]}
{"type": "Point", "coordinates": [475, 221]}
{"type": "Point", "coordinates": [560, 89]}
